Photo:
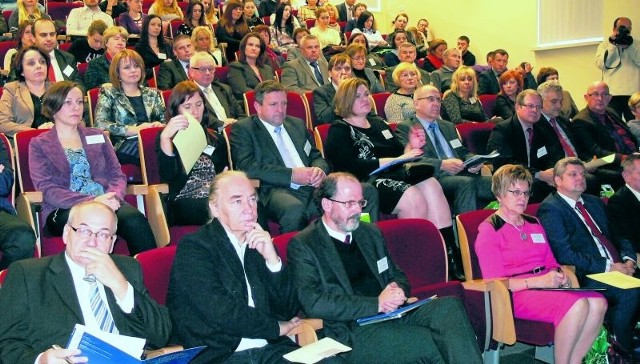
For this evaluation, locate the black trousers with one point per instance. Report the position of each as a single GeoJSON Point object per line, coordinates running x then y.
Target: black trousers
{"type": "Point", "coordinates": [17, 239]}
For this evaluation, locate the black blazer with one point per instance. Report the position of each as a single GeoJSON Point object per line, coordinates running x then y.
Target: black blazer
{"type": "Point", "coordinates": [208, 295]}
{"type": "Point", "coordinates": [488, 83]}
{"type": "Point", "coordinates": [594, 139]}
{"type": "Point", "coordinates": [508, 138]}
{"type": "Point", "coordinates": [322, 284]}
{"type": "Point", "coordinates": [555, 148]}
{"type": "Point", "coordinates": [242, 78]}
{"type": "Point", "coordinates": [170, 74]}
{"type": "Point", "coordinates": [504, 107]}
{"type": "Point", "coordinates": [624, 220]}
{"type": "Point", "coordinates": [342, 11]}
{"type": "Point", "coordinates": [41, 308]}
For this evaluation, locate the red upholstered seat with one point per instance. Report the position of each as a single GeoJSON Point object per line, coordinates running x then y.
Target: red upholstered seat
{"type": "Point", "coordinates": [488, 102]}
{"type": "Point", "coordinates": [156, 271]}
{"type": "Point", "coordinates": [475, 136]}
{"type": "Point", "coordinates": [379, 100]}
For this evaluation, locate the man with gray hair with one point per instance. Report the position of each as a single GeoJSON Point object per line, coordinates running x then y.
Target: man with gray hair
{"type": "Point", "coordinates": [406, 53]}
{"type": "Point", "coordinates": [222, 107]}
{"type": "Point", "coordinates": [441, 78]}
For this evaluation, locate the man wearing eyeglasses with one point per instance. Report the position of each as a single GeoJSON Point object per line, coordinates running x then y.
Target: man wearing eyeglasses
{"type": "Point", "coordinates": [578, 232]}
{"type": "Point", "coordinates": [520, 139]}
{"type": "Point", "coordinates": [44, 298]}
{"type": "Point", "coordinates": [222, 107]}
{"type": "Point", "coordinates": [342, 271]}
{"type": "Point", "coordinates": [600, 132]}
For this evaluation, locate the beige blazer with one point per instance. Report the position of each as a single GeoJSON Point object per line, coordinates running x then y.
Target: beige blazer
{"type": "Point", "coordinates": [16, 108]}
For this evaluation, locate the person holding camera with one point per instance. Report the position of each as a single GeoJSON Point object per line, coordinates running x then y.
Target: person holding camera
{"type": "Point", "coordinates": [619, 60]}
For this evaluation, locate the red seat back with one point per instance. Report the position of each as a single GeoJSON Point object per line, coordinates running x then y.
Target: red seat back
{"type": "Point", "coordinates": [9, 149]}
{"type": "Point", "coordinates": [470, 222]}
{"type": "Point", "coordinates": [380, 99]}
{"type": "Point", "coordinates": [60, 11]}
{"type": "Point", "coordinates": [156, 271]}
{"type": "Point", "coordinates": [222, 74]}
{"type": "Point", "coordinates": [475, 136]}
{"type": "Point", "coordinates": [148, 160]}
{"type": "Point", "coordinates": [22, 140]}
{"type": "Point", "coordinates": [5, 46]}
{"type": "Point", "coordinates": [281, 242]}
{"type": "Point", "coordinates": [488, 102]}
{"type": "Point", "coordinates": [92, 97]}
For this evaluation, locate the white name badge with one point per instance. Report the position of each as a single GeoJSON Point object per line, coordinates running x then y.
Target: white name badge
{"type": "Point", "coordinates": [542, 152]}
{"type": "Point", "coordinates": [372, 62]}
{"type": "Point", "coordinates": [455, 143]}
{"type": "Point", "coordinates": [387, 134]}
{"type": "Point", "coordinates": [68, 71]}
{"type": "Point", "coordinates": [307, 148]}
{"type": "Point", "coordinates": [95, 139]}
{"type": "Point", "coordinates": [383, 265]}
{"type": "Point", "coordinates": [208, 150]}
{"type": "Point", "coordinates": [162, 56]}
{"type": "Point", "coordinates": [538, 238]}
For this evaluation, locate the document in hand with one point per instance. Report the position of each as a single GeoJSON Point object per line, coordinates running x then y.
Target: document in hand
{"type": "Point", "coordinates": [394, 314]}
{"type": "Point", "coordinates": [317, 351]}
{"type": "Point", "coordinates": [105, 348]}
{"type": "Point", "coordinates": [480, 158]}
{"type": "Point", "coordinates": [599, 162]}
{"type": "Point", "coordinates": [616, 279]}
{"type": "Point", "coordinates": [190, 143]}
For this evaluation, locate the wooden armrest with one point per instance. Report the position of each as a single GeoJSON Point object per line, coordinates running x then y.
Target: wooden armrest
{"type": "Point", "coordinates": [306, 332]}
{"type": "Point", "coordinates": [162, 188]}
{"type": "Point", "coordinates": [137, 189]}
{"type": "Point", "coordinates": [150, 354]}
{"type": "Point", "coordinates": [156, 216]}
{"type": "Point", "coordinates": [61, 38]}
{"type": "Point", "coordinates": [4, 72]}
{"type": "Point", "coordinates": [33, 197]}
{"type": "Point", "coordinates": [504, 329]}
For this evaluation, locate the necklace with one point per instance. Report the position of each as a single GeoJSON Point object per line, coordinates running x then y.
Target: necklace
{"type": "Point", "coordinates": [520, 229]}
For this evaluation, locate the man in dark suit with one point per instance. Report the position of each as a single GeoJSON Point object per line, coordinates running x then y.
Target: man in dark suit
{"type": "Point", "coordinates": [600, 132]}
{"type": "Point", "coordinates": [406, 53]}
{"type": "Point", "coordinates": [623, 206]}
{"type": "Point", "coordinates": [309, 72]}
{"type": "Point", "coordinates": [468, 189]}
{"type": "Point", "coordinates": [44, 298]}
{"type": "Point", "coordinates": [342, 271]}
{"type": "Point", "coordinates": [488, 80]}
{"type": "Point", "coordinates": [229, 289]}
{"type": "Point", "coordinates": [221, 106]}
{"type": "Point", "coordinates": [174, 71]}
{"type": "Point", "coordinates": [63, 64]}
{"type": "Point", "coordinates": [578, 232]}
{"type": "Point", "coordinates": [520, 139]}
{"type": "Point", "coordinates": [346, 10]}
{"type": "Point", "coordinates": [559, 133]}
{"type": "Point", "coordinates": [278, 150]}
{"type": "Point", "coordinates": [323, 106]}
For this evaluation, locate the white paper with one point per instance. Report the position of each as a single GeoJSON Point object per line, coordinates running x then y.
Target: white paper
{"type": "Point", "coordinates": [190, 142]}
{"type": "Point", "coordinates": [317, 351]}
{"type": "Point", "coordinates": [133, 346]}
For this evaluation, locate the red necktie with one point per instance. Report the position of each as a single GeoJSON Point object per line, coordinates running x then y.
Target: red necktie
{"type": "Point", "coordinates": [52, 74]}
{"type": "Point", "coordinates": [530, 137]}
{"type": "Point", "coordinates": [347, 239]}
{"type": "Point", "coordinates": [613, 252]}
{"type": "Point", "coordinates": [568, 151]}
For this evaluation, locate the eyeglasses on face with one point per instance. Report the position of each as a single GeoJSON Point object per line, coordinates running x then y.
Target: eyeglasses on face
{"type": "Point", "coordinates": [204, 69]}
{"type": "Point", "coordinates": [351, 204]}
{"type": "Point", "coordinates": [101, 236]}
{"type": "Point", "coordinates": [519, 193]}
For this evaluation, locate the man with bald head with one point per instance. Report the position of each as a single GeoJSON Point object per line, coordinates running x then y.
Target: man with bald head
{"type": "Point", "coordinates": [619, 59]}
{"type": "Point", "coordinates": [441, 78]}
{"type": "Point", "coordinates": [44, 298]}
{"type": "Point", "coordinates": [600, 132]}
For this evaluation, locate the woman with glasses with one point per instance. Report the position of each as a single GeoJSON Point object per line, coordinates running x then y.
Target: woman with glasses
{"type": "Point", "coordinates": [399, 105]}
{"type": "Point", "coordinates": [359, 143]}
{"type": "Point", "coordinates": [125, 106]}
{"type": "Point", "coordinates": [71, 163]}
{"type": "Point", "coordinates": [251, 68]}
{"type": "Point", "coordinates": [188, 192]}
{"type": "Point", "coordinates": [511, 84]}
{"type": "Point", "coordinates": [514, 245]}
{"type": "Point", "coordinates": [373, 61]}
{"type": "Point", "coordinates": [358, 54]}
{"type": "Point", "coordinates": [460, 103]}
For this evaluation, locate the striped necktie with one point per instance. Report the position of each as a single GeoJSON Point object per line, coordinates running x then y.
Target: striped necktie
{"type": "Point", "coordinates": [101, 311]}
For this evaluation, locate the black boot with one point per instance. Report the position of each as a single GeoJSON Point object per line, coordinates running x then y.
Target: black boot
{"type": "Point", "coordinates": [456, 271]}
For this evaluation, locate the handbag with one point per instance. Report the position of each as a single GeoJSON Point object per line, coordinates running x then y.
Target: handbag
{"type": "Point", "coordinates": [606, 349]}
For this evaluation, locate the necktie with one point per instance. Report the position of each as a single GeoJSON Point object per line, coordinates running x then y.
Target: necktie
{"type": "Point", "coordinates": [215, 104]}
{"type": "Point", "coordinates": [284, 152]}
{"type": "Point", "coordinates": [530, 137]}
{"type": "Point", "coordinates": [347, 239]}
{"type": "Point", "coordinates": [612, 251]}
{"type": "Point", "coordinates": [101, 311]}
{"type": "Point", "coordinates": [52, 74]}
{"type": "Point", "coordinates": [316, 71]}
{"type": "Point", "coordinates": [441, 150]}
{"type": "Point", "coordinates": [350, 15]}
{"type": "Point", "coordinates": [568, 150]}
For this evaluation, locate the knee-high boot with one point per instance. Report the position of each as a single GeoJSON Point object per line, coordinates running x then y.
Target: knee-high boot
{"type": "Point", "coordinates": [453, 253]}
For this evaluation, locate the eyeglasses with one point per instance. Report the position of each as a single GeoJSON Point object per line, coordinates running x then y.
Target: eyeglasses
{"type": "Point", "coordinates": [204, 69]}
{"type": "Point", "coordinates": [351, 204]}
{"type": "Point", "coordinates": [532, 107]}
{"type": "Point", "coordinates": [519, 193]}
{"type": "Point", "coordinates": [431, 99]}
{"type": "Point", "coordinates": [595, 94]}
{"type": "Point", "coordinates": [101, 236]}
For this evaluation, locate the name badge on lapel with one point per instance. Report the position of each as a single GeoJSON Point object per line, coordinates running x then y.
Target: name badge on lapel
{"type": "Point", "coordinates": [162, 56]}
{"type": "Point", "coordinates": [455, 143]}
{"type": "Point", "coordinates": [383, 265]}
{"type": "Point", "coordinates": [95, 139]}
{"type": "Point", "coordinates": [208, 150]}
{"type": "Point", "coordinates": [387, 134]}
{"type": "Point", "coordinates": [542, 152]}
{"type": "Point", "coordinates": [68, 71]}
{"type": "Point", "coordinates": [307, 148]}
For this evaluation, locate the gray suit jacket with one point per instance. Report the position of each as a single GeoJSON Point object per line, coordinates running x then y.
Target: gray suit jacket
{"type": "Point", "coordinates": [40, 308]}
{"type": "Point", "coordinates": [297, 75]}
{"type": "Point", "coordinates": [430, 155]}
{"type": "Point", "coordinates": [170, 74]}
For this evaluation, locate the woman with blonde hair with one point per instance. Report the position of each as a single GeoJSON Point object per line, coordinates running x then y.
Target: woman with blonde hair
{"type": "Point", "coordinates": [232, 28]}
{"type": "Point", "coordinates": [26, 10]}
{"type": "Point", "coordinates": [167, 10]}
{"type": "Point", "coordinates": [204, 41]}
{"type": "Point", "coordinates": [460, 104]}
{"type": "Point", "coordinates": [210, 12]}
{"type": "Point", "coordinates": [399, 105]}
